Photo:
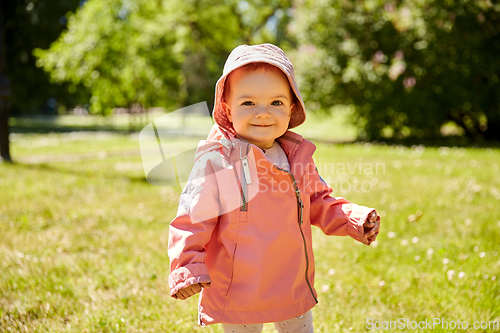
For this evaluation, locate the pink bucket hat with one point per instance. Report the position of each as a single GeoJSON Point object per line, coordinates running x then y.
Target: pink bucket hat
{"type": "Point", "coordinates": [245, 54]}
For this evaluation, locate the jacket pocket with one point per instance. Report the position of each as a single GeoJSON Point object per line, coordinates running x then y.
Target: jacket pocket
{"type": "Point", "coordinates": [232, 270]}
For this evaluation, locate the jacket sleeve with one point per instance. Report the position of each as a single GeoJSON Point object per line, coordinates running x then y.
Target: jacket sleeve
{"type": "Point", "coordinates": [192, 228]}
{"type": "Point", "coordinates": [335, 216]}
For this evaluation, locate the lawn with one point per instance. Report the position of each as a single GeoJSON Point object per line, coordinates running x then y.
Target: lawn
{"type": "Point", "coordinates": [84, 239]}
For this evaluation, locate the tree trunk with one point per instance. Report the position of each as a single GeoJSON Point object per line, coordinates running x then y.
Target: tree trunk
{"type": "Point", "coordinates": [4, 98]}
{"type": "Point", "coordinates": [493, 130]}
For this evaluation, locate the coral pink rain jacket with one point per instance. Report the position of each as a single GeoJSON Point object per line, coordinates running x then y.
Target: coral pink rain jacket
{"type": "Point", "coordinates": [244, 224]}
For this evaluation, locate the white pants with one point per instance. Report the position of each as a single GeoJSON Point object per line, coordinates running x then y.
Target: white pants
{"type": "Point", "coordinates": [301, 324]}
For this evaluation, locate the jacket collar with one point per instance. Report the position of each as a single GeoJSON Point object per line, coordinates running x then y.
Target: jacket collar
{"type": "Point", "coordinates": [298, 150]}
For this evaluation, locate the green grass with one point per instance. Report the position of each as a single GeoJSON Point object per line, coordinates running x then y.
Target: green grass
{"type": "Point", "coordinates": [331, 128]}
{"type": "Point", "coordinates": [84, 242]}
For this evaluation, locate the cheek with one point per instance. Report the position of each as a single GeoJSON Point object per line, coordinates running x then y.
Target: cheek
{"type": "Point", "coordinates": [238, 120]}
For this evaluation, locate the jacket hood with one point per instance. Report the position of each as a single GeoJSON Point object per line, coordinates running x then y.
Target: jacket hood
{"type": "Point", "coordinates": [245, 54]}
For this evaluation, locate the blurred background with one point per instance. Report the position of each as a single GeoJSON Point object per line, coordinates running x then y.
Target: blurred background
{"type": "Point", "coordinates": [412, 86]}
{"type": "Point", "coordinates": [399, 69]}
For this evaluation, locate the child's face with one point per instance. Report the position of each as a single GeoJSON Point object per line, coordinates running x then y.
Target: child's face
{"type": "Point", "coordinates": [259, 105]}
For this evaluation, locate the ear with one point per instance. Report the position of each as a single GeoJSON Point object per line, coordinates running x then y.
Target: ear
{"type": "Point", "coordinates": [292, 108]}
{"type": "Point", "coordinates": [226, 109]}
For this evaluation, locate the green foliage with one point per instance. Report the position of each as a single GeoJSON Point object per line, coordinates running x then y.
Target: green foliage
{"type": "Point", "coordinates": [155, 53]}
{"type": "Point", "coordinates": [122, 51]}
{"type": "Point", "coordinates": [30, 24]}
{"type": "Point", "coordinates": [409, 67]}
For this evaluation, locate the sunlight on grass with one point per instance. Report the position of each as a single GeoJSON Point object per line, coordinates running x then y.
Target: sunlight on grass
{"type": "Point", "coordinates": [336, 127]}
{"type": "Point", "coordinates": [84, 243]}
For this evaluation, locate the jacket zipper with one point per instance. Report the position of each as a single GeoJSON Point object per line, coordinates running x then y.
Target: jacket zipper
{"type": "Point", "coordinates": [247, 180]}
{"type": "Point", "coordinates": [300, 208]}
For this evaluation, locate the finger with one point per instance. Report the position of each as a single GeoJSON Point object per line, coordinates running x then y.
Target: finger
{"type": "Point", "coordinates": [363, 239]}
{"type": "Point", "coordinates": [373, 216]}
{"type": "Point", "coordinates": [184, 292]}
{"type": "Point", "coordinates": [373, 231]}
{"type": "Point", "coordinates": [196, 288]}
{"type": "Point", "coordinates": [369, 224]}
{"type": "Point", "coordinates": [373, 237]}
{"type": "Point", "coordinates": [370, 232]}
{"type": "Point", "coordinates": [190, 291]}
{"type": "Point", "coordinates": [180, 296]}
{"type": "Point", "coordinates": [206, 284]}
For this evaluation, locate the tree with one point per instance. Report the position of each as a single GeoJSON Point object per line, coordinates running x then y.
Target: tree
{"type": "Point", "coordinates": [155, 53]}
{"type": "Point", "coordinates": [35, 24]}
{"type": "Point", "coordinates": [4, 99]}
{"type": "Point", "coordinates": [408, 67]}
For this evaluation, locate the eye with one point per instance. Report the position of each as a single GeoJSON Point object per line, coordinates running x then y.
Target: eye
{"type": "Point", "coordinates": [247, 103]}
{"type": "Point", "coordinates": [277, 103]}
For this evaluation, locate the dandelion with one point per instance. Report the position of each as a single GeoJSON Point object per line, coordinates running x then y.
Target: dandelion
{"type": "Point", "coordinates": [397, 164]}
{"type": "Point", "coordinates": [443, 151]}
{"type": "Point", "coordinates": [468, 222]}
{"type": "Point", "coordinates": [374, 244]}
{"type": "Point", "coordinates": [486, 276]}
{"type": "Point", "coordinates": [404, 242]}
{"type": "Point", "coordinates": [381, 284]}
{"type": "Point", "coordinates": [430, 252]}
{"type": "Point", "coordinates": [493, 278]}
{"type": "Point", "coordinates": [331, 272]}
{"type": "Point", "coordinates": [482, 254]}
{"type": "Point", "coordinates": [325, 288]}
{"type": "Point", "coordinates": [450, 274]}
{"type": "Point", "coordinates": [461, 275]}
{"type": "Point", "coordinates": [391, 234]}
{"type": "Point", "coordinates": [416, 258]}
{"type": "Point", "coordinates": [476, 248]}
{"type": "Point", "coordinates": [414, 240]}
{"type": "Point", "coordinates": [495, 253]}
{"type": "Point", "coordinates": [446, 261]}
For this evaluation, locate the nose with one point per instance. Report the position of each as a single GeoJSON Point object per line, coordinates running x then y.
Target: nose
{"type": "Point", "coordinates": [263, 113]}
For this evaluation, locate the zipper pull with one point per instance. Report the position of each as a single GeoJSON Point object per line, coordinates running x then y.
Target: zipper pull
{"type": "Point", "coordinates": [301, 212]}
{"type": "Point", "coordinates": [246, 170]}
{"type": "Point", "coordinates": [301, 205]}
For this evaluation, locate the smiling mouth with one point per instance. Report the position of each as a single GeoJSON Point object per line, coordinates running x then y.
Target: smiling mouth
{"type": "Point", "coordinates": [262, 125]}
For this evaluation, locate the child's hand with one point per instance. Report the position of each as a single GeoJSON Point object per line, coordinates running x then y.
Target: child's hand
{"type": "Point", "coordinates": [371, 227]}
{"type": "Point", "coordinates": [192, 290]}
